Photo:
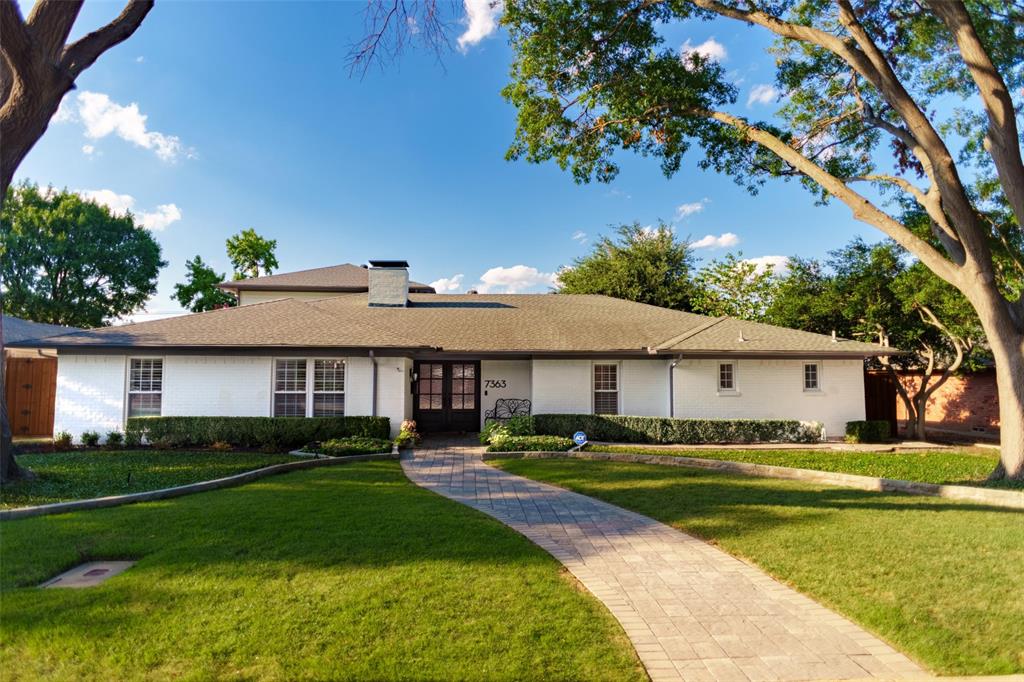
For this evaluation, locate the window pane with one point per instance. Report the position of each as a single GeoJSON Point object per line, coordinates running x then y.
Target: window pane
{"type": "Point", "coordinates": [435, 402]}
{"type": "Point", "coordinates": [144, 404]}
{"type": "Point", "coordinates": [606, 403]}
{"type": "Point", "coordinates": [289, 404]}
{"type": "Point", "coordinates": [290, 375]}
{"type": "Point", "coordinates": [457, 402]}
{"type": "Point", "coordinates": [810, 376]}
{"type": "Point", "coordinates": [329, 405]}
{"type": "Point", "coordinates": [146, 374]}
{"type": "Point", "coordinates": [606, 377]}
{"type": "Point", "coordinates": [433, 371]}
{"type": "Point", "coordinates": [329, 376]}
{"type": "Point", "coordinates": [469, 401]}
{"type": "Point", "coordinates": [725, 377]}
{"type": "Point", "coordinates": [424, 401]}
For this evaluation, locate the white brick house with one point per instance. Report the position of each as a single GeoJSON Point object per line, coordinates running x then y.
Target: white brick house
{"type": "Point", "coordinates": [358, 341]}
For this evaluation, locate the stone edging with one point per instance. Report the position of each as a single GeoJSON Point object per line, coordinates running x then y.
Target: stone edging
{"type": "Point", "coordinates": [999, 498]}
{"type": "Point", "coordinates": [178, 491]}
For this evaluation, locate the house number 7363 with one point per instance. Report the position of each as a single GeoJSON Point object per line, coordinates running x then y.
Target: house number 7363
{"type": "Point", "coordinates": [495, 383]}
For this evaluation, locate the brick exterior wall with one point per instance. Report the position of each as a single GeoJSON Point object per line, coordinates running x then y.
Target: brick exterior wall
{"type": "Point", "coordinates": [964, 405]}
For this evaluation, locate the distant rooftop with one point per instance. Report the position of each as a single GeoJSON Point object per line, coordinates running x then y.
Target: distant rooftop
{"type": "Point", "coordinates": [16, 329]}
{"type": "Point", "coordinates": [337, 278]}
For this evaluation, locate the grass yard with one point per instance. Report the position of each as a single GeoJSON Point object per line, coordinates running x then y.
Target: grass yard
{"type": "Point", "coordinates": [344, 572]}
{"type": "Point", "coordinates": [938, 579]}
{"type": "Point", "coordinates": [63, 476]}
{"type": "Point", "coordinates": [953, 467]}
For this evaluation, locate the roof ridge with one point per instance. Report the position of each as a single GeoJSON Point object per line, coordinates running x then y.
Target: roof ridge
{"type": "Point", "coordinates": [691, 332]}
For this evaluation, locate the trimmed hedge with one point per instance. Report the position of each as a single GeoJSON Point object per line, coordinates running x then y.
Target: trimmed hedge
{"type": "Point", "coordinates": [353, 445]}
{"type": "Point", "coordinates": [531, 444]}
{"type": "Point", "coordinates": [622, 429]}
{"type": "Point", "coordinates": [253, 432]}
{"type": "Point", "coordinates": [869, 431]}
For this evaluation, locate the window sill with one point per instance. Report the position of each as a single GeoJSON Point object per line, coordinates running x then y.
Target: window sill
{"type": "Point", "coordinates": [729, 394]}
{"type": "Point", "coordinates": [814, 392]}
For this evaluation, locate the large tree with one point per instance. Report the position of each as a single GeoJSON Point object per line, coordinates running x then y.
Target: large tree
{"type": "Point", "coordinates": [199, 292]}
{"type": "Point", "coordinates": [251, 255]}
{"type": "Point", "coordinates": [647, 265]}
{"type": "Point", "coordinates": [37, 68]}
{"type": "Point", "coordinates": [67, 260]}
{"type": "Point", "coordinates": [735, 287]}
{"type": "Point", "coordinates": [592, 77]}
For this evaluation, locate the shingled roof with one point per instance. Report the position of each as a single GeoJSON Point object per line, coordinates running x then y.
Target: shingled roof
{"type": "Point", "coordinates": [335, 278]}
{"type": "Point", "coordinates": [509, 323]}
{"type": "Point", "coordinates": [15, 329]}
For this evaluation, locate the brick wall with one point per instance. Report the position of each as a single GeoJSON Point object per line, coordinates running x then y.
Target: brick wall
{"type": "Point", "coordinates": [964, 405]}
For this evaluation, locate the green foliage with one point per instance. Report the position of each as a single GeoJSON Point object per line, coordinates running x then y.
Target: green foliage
{"type": "Point", "coordinates": [624, 429]}
{"type": "Point", "coordinates": [253, 432]}
{"type": "Point", "coordinates": [868, 431]}
{"type": "Point", "coordinates": [496, 430]}
{"type": "Point", "coordinates": [114, 439]}
{"type": "Point", "coordinates": [68, 260]}
{"type": "Point", "coordinates": [735, 287]}
{"type": "Point", "coordinates": [531, 444]}
{"type": "Point", "coordinates": [491, 427]}
{"type": "Point", "coordinates": [200, 291]}
{"type": "Point", "coordinates": [407, 434]}
{"type": "Point", "coordinates": [251, 255]}
{"type": "Point", "coordinates": [643, 265]}
{"type": "Point", "coordinates": [90, 438]}
{"type": "Point", "coordinates": [62, 440]}
{"type": "Point", "coordinates": [353, 445]}
{"type": "Point", "coordinates": [132, 438]}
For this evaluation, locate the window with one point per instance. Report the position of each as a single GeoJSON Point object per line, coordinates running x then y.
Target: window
{"type": "Point", "coordinates": [463, 387]}
{"type": "Point", "coordinates": [290, 388]}
{"type": "Point", "coordinates": [606, 389]}
{"type": "Point", "coordinates": [811, 376]}
{"type": "Point", "coordinates": [328, 388]}
{"type": "Point", "coordinates": [145, 387]}
{"type": "Point", "coordinates": [726, 376]}
{"type": "Point", "coordinates": [431, 386]}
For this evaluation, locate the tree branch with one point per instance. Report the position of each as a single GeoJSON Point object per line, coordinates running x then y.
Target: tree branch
{"type": "Point", "coordinates": [50, 23]}
{"type": "Point", "coordinates": [17, 41]}
{"type": "Point", "coordinates": [81, 54]}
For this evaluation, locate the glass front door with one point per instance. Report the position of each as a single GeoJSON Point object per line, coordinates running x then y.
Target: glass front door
{"type": "Point", "coordinates": [447, 396]}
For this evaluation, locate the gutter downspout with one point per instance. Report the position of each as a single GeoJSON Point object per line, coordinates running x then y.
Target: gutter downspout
{"type": "Point", "coordinates": [671, 387]}
{"type": "Point", "coordinates": [373, 386]}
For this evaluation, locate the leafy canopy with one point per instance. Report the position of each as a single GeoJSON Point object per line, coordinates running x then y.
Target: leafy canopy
{"type": "Point", "coordinates": [647, 265]}
{"type": "Point", "coordinates": [67, 260]}
{"type": "Point", "coordinates": [251, 255]}
{"type": "Point", "coordinates": [200, 292]}
{"type": "Point", "coordinates": [735, 287]}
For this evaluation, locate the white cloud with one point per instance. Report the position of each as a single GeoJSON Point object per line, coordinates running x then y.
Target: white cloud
{"type": "Point", "coordinates": [762, 94]}
{"type": "Point", "coordinates": [140, 59]}
{"type": "Point", "coordinates": [710, 241]}
{"type": "Point", "coordinates": [88, 149]}
{"type": "Point", "coordinates": [711, 50]}
{"type": "Point", "coordinates": [453, 283]}
{"type": "Point", "coordinates": [580, 237]}
{"type": "Point", "coordinates": [119, 204]}
{"type": "Point", "coordinates": [780, 264]}
{"type": "Point", "coordinates": [102, 117]}
{"type": "Point", "coordinates": [481, 21]}
{"type": "Point", "coordinates": [687, 210]}
{"type": "Point", "coordinates": [158, 220]}
{"type": "Point", "coordinates": [513, 280]}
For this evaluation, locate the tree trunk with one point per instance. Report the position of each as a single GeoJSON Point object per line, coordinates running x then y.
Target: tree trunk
{"type": "Point", "coordinates": [921, 415]}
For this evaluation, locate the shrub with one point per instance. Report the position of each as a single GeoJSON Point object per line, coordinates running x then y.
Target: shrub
{"type": "Point", "coordinates": [90, 438]}
{"type": "Point", "coordinates": [63, 440]}
{"type": "Point", "coordinates": [253, 432]}
{"type": "Point", "coordinates": [132, 439]}
{"type": "Point", "coordinates": [407, 435]}
{"type": "Point", "coordinates": [221, 446]}
{"type": "Point", "coordinates": [353, 445]}
{"type": "Point", "coordinates": [114, 439]}
{"type": "Point", "coordinates": [496, 430]}
{"type": "Point", "coordinates": [868, 431]}
{"type": "Point", "coordinates": [531, 444]}
{"type": "Point", "coordinates": [622, 429]}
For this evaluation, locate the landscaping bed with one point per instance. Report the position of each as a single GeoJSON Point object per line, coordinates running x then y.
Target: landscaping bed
{"type": "Point", "coordinates": [949, 467]}
{"type": "Point", "coordinates": [345, 572]}
{"type": "Point", "coordinates": [355, 445]}
{"type": "Point", "coordinates": [934, 577]}
{"type": "Point", "coordinates": [84, 474]}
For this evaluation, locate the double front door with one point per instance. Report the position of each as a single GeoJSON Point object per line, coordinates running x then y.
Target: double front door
{"type": "Point", "coordinates": [447, 396]}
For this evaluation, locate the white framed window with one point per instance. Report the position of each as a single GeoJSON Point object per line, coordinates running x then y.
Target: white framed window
{"type": "Point", "coordinates": [812, 376]}
{"type": "Point", "coordinates": [328, 388]}
{"type": "Point", "coordinates": [145, 387]}
{"type": "Point", "coordinates": [606, 389]}
{"type": "Point", "coordinates": [726, 377]}
{"type": "Point", "coordinates": [290, 387]}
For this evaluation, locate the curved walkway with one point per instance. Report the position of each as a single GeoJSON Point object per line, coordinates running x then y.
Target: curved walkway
{"type": "Point", "coordinates": [692, 611]}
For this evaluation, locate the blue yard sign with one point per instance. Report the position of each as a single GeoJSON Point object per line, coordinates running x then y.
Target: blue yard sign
{"type": "Point", "coordinates": [579, 438]}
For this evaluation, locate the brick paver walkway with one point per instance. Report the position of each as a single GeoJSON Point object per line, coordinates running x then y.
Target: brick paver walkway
{"type": "Point", "coordinates": [692, 611]}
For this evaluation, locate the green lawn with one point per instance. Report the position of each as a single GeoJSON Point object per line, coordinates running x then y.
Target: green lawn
{"type": "Point", "coordinates": [941, 580]}
{"type": "Point", "coordinates": [955, 467]}
{"type": "Point", "coordinates": [344, 572]}
{"type": "Point", "coordinates": [63, 476]}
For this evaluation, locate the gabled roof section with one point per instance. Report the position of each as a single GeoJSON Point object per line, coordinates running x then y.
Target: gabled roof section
{"type": "Point", "coordinates": [16, 329]}
{"type": "Point", "coordinates": [466, 323]}
{"type": "Point", "coordinates": [335, 278]}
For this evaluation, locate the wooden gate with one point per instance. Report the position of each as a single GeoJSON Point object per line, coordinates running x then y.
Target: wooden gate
{"type": "Point", "coordinates": [880, 398]}
{"type": "Point", "coordinates": [31, 389]}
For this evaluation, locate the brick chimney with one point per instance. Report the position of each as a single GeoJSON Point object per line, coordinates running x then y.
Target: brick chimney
{"type": "Point", "coordinates": [389, 284]}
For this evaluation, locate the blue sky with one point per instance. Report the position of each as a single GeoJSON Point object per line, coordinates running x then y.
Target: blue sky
{"type": "Point", "coordinates": [216, 117]}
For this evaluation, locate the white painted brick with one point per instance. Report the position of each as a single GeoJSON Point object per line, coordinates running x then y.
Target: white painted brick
{"type": "Point", "coordinates": [217, 386]}
{"type": "Point", "coordinates": [90, 394]}
{"type": "Point", "coordinates": [561, 386]}
{"type": "Point", "coordinates": [643, 385]}
{"type": "Point", "coordinates": [515, 373]}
